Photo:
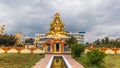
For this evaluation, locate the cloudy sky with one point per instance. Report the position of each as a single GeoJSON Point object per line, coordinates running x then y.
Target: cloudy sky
{"type": "Point", "coordinates": [98, 18]}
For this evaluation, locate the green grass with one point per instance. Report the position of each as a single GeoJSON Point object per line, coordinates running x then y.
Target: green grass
{"type": "Point", "coordinates": [19, 60]}
{"type": "Point", "coordinates": [110, 61]}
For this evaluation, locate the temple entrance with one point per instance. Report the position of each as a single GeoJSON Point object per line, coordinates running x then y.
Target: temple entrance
{"type": "Point", "coordinates": [57, 47]}
{"type": "Point", "coordinates": [48, 47]}
{"type": "Point", "coordinates": [54, 46]}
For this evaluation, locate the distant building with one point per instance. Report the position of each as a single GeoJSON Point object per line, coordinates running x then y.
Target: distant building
{"type": "Point", "coordinates": [79, 36]}
{"type": "Point", "coordinates": [20, 38]}
{"type": "Point", "coordinates": [40, 38]}
{"type": "Point", "coordinates": [2, 28]}
{"type": "Point", "coordinates": [118, 39]}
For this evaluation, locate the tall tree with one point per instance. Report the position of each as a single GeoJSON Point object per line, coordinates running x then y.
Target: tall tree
{"type": "Point", "coordinates": [97, 42]}
{"type": "Point", "coordinates": [106, 40]}
{"type": "Point", "coordinates": [71, 41]}
{"type": "Point", "coordinates": [7, 40]}
{"type": "Point", "coordinates": [29, 41]}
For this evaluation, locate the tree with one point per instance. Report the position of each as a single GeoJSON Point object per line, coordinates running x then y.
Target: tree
{"type": "Point", "coordinates": [71, 41]}
{"type": "Point", "coordinates": [29, 41]}
{"type": "Point", "coordinates": [7, 40]}
{"type": "Point", "coordinates": [78, 49]}
{"type": "Point", "coordinates": [97, 42]}
{"type": "Point", "coordinates": [95, 57]}
{"type": "Point", "coordinates": [103, 41]}
{"type": "Point", "coordinates": [116, 43]}
{"type": "Point", "coordinates": [106, 42]}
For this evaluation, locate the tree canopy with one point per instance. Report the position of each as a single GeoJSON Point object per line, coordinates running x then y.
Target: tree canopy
{"type": "Point", "coordinates": [29, 41]}
{"type": "Point", "coordinates": [7, 40]}
{"type": "Point", "coordinates": [71, 41]}
{"type": "Point", "coordinates": [106, 42]}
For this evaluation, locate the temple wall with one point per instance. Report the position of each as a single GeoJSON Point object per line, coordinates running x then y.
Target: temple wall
{"type": "Point", "coordinates": [109, 51]}
{"type": "Point", "coordinates": [14, 50]}
{"type": "Point", "coordinates": [38, 51]}
{"type": "Point", "coordinates": [1, 51]}
{"type": "Point", "coordinates": [25, 50]}
{"type": "Point", "coordinates": [106, 50]}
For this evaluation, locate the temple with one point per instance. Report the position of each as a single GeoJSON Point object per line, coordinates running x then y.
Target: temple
{"type": "Point", "coordinates": [54, 40]}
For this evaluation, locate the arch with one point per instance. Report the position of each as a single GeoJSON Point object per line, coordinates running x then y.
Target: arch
{"type": "Point", "coordinates": [53, 43]}
{"type": "Point", "coordinates": [61, 42]}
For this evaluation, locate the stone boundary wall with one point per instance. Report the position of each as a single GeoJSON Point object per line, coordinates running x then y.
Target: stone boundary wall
{"type": "Point", "coordinates": [37, 50]}
{"type": "Point", "coordinates": [105, 50]}
{"type": "Point", "coordinates": [21, 50]}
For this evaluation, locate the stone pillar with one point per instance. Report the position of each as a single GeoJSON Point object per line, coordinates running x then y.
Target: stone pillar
{"type": "Point", "coordinates": [6, 49]}
{"type": "Point", "coordinates": [31, 50]}
{"type": "Point", "coordinates": [103, 49]}
{"type": "Point", "coordinates": [115, 50]}
{"type": "Point", "coordinates": [52, 47]}
{"type": "Point", "coordinates": [62, 45]}
{"type": "Point", "coordinates": [19, 49]}
{"type": "Point", "coordinates": [44, 48]}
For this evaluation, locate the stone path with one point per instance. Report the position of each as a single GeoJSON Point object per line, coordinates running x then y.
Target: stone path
{"type": "Point", "coordinates": [43, 62]}
{"type": "Point", "coordinates": [73, 62]}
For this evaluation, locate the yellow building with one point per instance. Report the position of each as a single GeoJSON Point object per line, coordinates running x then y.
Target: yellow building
{"type": "Point", "coordinates": [54, 40]}
{"type": "Point", "coordinates": [2, 28]}
{"type": "Point", "coordinates": [18, 36]}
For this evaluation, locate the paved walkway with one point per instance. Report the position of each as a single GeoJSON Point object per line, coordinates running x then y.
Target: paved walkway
{"type": "Point", "coordinates": [43, 62]}
{"type": "Point", "coordinates": [73, 62]}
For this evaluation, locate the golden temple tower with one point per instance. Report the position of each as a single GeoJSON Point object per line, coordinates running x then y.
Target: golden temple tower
{"type": "Point", "coordinates": [57, 28]}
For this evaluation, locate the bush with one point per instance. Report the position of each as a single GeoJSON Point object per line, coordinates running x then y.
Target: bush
{"type": "Point", "coordinates": [19, 45]}
{"type": "Point", "coordinates": [77, 50]}
{"type": "Point", "coordinates": [95, 57]}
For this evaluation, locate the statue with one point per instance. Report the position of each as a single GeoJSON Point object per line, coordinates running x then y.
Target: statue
{"type": "Point", "coordinates": [57, 27]}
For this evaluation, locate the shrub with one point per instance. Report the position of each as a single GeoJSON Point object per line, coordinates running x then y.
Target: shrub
{"type": "Point", "coordinates": [77, 50]}
{"type": "Point", "coordinates": [95, 57]}
{"type": "Point", "coordinates": [19, 45]}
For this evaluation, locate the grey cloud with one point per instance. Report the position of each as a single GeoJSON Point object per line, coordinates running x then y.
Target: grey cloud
{"type": "Point", "coordinates": [34, 16]}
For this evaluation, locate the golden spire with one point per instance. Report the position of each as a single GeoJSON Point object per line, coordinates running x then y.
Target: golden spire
{"type": "Point", "coordinates": [57, 15]}
{"type": "Point", "coordinates": [57, 27]}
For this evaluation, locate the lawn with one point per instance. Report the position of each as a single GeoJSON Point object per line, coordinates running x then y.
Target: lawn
{"type": "Point", "coordinates": [110, 61]}
{"type": "Point", "coordinates": [19, 60]}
